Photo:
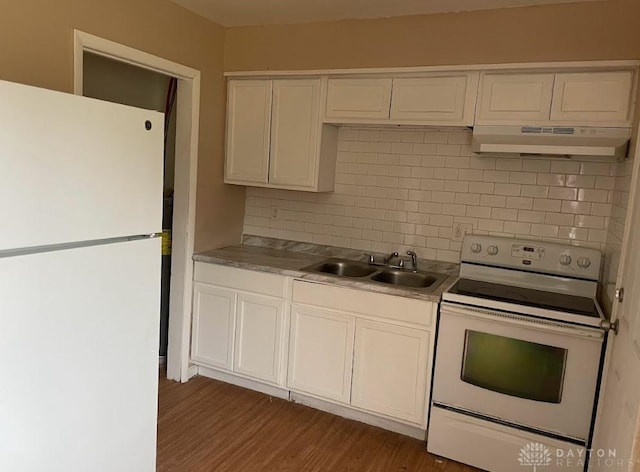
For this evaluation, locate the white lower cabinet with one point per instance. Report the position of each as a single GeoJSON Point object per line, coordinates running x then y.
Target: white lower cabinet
{"type": "Point", "coordinates": [368, 350]}
{"type": "Point", "coordinates": [390, 370]}
{"type": "Point", "coordinates": [239, 322]}
{"type": "Point", "coordinates": [320, 352]}
{"type": "Point", "coordinates": [213, 325]}
{"type": "Point", "coordinates": [258, 336]}
{"type": "Point", "coordinates": [367, 354]}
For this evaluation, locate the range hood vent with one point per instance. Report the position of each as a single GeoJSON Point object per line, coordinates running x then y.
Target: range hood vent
{"type": "Point", "coordinates": [526, 141]}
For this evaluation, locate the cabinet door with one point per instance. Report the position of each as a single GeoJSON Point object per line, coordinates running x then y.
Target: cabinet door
{"type": "Point", "coordinates": [258, 337]}
{"type": "Point", "coordinates": [520, 98]}
{"type": "Point", "coordinates": [294, 132]}
{"type": "Point", "coordinates": [358, 98]}
{"type": "Point", "coordinates": [390, 370]}
{"type": "Point", "coordinates": [435, 100]}
{"type": "Point", "coordinates": [248, 131]}
{"type": "Point", "coordinates": [213, 324]}
{"type": "Point", "coordinates": [599, 98]}
{"type": "Point", "coordinates": [321, 352]}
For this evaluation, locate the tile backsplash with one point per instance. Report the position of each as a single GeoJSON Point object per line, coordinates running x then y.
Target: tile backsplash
{"type": "Point", "coordinates": [400, 189]}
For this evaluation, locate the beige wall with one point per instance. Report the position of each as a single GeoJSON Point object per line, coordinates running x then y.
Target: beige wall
{"type": "Point", "coordinates": [581, 31]}
{"type": "Point", "coordinates": [36, 48]}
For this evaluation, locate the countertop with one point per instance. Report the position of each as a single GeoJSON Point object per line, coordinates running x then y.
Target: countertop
{"type": "Point", "coordinates": [289, 257]}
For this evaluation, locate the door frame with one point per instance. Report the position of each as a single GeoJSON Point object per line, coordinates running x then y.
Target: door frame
{"type": "Point", "coordinates": [187, 129]}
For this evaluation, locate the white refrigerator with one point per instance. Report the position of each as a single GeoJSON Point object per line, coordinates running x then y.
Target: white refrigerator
{"type": "Point", "coordinates": [80, 207]}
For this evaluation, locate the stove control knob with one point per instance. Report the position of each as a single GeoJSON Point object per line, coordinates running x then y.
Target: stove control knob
{"type": "Point", "coordinates": [584, 262]}
{"type": "Point", "coordinates": [476, 248]}
{"type": "Point", "coordinates": [492, 250]}
{"type": "Point", "coordinates": [565, 259]}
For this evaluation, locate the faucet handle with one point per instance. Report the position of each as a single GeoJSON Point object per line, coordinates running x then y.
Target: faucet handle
{"type": "Point", "coordinates": [414, 260]}
{"type": "Point", "coordinates": [372, 258]}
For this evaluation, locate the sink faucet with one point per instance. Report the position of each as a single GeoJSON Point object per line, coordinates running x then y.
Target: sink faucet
{"type": "Point", "coordinates": [414, 260]}
{"type": "Point", "coordinates": [390, 257]}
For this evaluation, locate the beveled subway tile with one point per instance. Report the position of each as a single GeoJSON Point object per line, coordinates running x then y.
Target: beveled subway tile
{"type": "Point", "coordinates": [556, 180]}
{"type": "Point", "coordinates": [579, 234]}
{"type": "Point", "coordinates": [565, 167]}
{"type": "Point", "coordinates": [544, 204]}
{"type": "Point", "coordinates": [595, 168]}
{"type": "Point", "coordinates": [559, 219]}
{"type": "Point", "coordinates": [522, 177]}
{"type": "Point", "coordinates": [482, 187]}
{"type": "Point", "coordinates": [588, 221]}
{"type": "Point", "coordinates": [536, 191]}
{"type": "Point", "coordinates": [528, 216]}
{"type": "Point", "coordinates": [544, 230]}
{"type": "Point", "coordinates": [523, 203]}
{"type": "Point", "coordinates": [563, 193]}
{"type": "Point", "coordinates": [504, 214]}
{"type": "Point", "coordinates": [517, 227]}
{"type": "Point", "coordinates": [507, 189]}
{"type": "Point", "coordinates": [583, 208]}
{"type": "Point", "coordinates": [493, 200]}
{"type": "Point", "coordinates": [592, 195]}
{"type": "Point", "coordinates": [581, 181]}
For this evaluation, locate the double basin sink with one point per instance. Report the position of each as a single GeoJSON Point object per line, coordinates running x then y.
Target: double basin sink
{"type": "Point", "coordinates": [424, 281]}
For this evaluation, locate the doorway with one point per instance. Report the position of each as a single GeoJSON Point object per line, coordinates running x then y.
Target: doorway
{"type": "Point", "coordinates": [187, 114]}
{"type": "Point", "coordinates": [119, 82]}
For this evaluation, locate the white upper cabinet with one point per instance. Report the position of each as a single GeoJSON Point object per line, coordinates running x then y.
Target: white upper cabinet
{"type": "Point", "coordinates": [525, 98]}
{"type": "Point", "coordinates": [574, 98]}
{"type": "Point", "coordinates": [248, 131]}
{"type": "Point", "coordinates": [294, 132]}
{"type": "Point", "coordinates": [275, 137]}
{"type": "Point", "coordinates": [599, 98]}
{"type": "Point", "coordinates": [437, 100]}
{"type": "Point", "coordinates": [357, 99]}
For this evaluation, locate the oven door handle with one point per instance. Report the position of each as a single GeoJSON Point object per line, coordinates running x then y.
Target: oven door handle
{"type": "Point", "coordinates": [519, 320]}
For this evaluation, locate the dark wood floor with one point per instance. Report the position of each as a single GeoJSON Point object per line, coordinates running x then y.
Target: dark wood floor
{"type": "Point", "coordinates": [206, 425]}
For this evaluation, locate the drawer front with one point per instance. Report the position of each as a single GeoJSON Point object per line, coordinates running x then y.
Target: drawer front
{"type": "Point", "coordinates": [407, 310]}
{"type": "Point", "coordinates": [241, 279]}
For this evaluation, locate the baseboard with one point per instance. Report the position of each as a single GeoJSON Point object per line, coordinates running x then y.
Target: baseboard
{"type": "Point", "coordinates": [234, 379]}
{"type": "Point", "coordinates": [361, 416]}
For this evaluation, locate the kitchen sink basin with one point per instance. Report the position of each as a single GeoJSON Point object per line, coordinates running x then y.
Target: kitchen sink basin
{"type": "Point", "coordinates": [378, 274]}
{"type": "Point", "coordinates": [405, 278]}
{"type": "Point", "coordinates": [345, 268]}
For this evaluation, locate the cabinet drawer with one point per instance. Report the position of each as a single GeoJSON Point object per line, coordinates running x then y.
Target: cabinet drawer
{"type": "Point", "coordinates": [408, 310]}
{"type": "Point", "coordinates": [241, 279]}
{"type": "Point", "coordinates": [521, 98]}
{"type": "Point", "coordinates": [358, 98]}
{"type": "Point", "coordinates": [593, 98]}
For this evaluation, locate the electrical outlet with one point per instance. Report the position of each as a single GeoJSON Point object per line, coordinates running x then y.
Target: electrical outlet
{"type": "Point", "coordinates": [274, 212]}
{"type": "Point", "coordinates": [460, 229]}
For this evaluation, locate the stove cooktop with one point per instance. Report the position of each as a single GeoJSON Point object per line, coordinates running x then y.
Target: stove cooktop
{"type": "Point", "coordinates": [576, 305]}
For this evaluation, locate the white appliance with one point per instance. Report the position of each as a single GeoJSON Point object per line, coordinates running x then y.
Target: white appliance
{"type": "Point", "coordinates": [80, 203]}
{"type": "Point", "coordinates": [519, 346]}
{"type": "Point", "coordinates": [559, 141]}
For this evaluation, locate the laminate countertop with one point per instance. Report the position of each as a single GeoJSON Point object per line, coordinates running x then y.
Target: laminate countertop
{"type": "Point", "coordinates": [289, 257]}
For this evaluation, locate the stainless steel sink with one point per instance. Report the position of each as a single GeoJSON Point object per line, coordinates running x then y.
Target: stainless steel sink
{"type": "Point", "coordinates": [377, 274]}
{"type": "Point", "coordinates": [405, 278]}
{"type": "Point", "coordinates": [344, 268]}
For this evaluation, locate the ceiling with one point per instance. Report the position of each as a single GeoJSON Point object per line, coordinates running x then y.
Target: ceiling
{"type": "Point", "coordinates": [266, 12]}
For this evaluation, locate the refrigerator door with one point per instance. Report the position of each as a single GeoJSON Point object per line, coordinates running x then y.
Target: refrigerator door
{"type": "Point", "coordinates": [76, 169]}
{"type": "Point", "coordinates": [79, 350]}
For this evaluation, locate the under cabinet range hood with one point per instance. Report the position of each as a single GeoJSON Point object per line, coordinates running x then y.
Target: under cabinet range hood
{"type": "Point", "coordinates": [531, 141]}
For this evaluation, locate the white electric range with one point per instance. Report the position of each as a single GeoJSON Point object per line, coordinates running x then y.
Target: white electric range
{"type": "Point", "coordinates": [518, 356]}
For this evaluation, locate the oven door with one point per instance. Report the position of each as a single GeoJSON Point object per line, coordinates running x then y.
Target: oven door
{"type": "Point", "coordinates": [532, 373]}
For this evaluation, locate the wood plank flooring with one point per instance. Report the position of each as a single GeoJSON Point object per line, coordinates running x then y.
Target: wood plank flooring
{"type": "Point", "coordinates": [206, 425]}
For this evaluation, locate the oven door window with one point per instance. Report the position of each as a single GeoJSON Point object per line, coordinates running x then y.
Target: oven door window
{"type": "Point", "coordinates": [513, 366]}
